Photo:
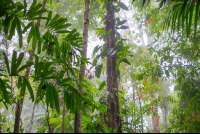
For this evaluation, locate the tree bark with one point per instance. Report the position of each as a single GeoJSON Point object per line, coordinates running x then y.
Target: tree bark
{"type": "Point", "coordinates": [20, 102]}
{"type": "Point", "coordinates": [133, 81]}
{"type": "Point", "coordinates": [63, 118]}
{"type": "Point", "coordinates": [31, 122]}
{"type": "Point", "coordinates": [112, 78]}
{"type": "Point", "coordinates": [165, 116]}
{"type": "Point", "coordinates": [155, 119]}
{"type": "Point", "coordinates": [140, 110]}
{"type": "Point", "coordinates": [77, 122]}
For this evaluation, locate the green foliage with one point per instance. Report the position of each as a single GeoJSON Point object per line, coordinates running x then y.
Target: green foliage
{"type": "Point", "coordinates": [55, 49]}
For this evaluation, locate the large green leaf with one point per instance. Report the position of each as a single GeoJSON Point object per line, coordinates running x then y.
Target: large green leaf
{"type": "Point", "coordinates": [47, 94]}
{"type": "Point", "coordinates": [6, 61]}
{"type": "Point", "coordinates": [55, 94]}
{"type": "Point", "coordinates": [102, 85]}
{"type": "Point", "coordinates": [94, 62]}
{"type": "Point", "coordinates": [96, 49]}
{"type": "Point", "coordinates": [6, 24]}
{"type": "Point", "coordinates": [123, 6]}
{"type": "Point", "coordinates": [49, 17]}
{"type": "Point", "coordinates": [13, 63]}
{"type": "Point", "coordinates": [51, 99]}
{"type": "Point", "coordinates": [124, 27]}
{"type": "Point", "coordinates": [19, 31]}
{"type": "Point", "coordinates": [30, 35]}
{"type": "Point", "coordinates": [29, 89]}
{"type": "Point", "coordinates": [12, 29]}
{"type": "Point", "coordinates": [196, 17]}
{"type": "Point", "coordinates": [24, 66]}
{"type": "Point", "coordinates": [67, 99]}
{"type": "Point", "coordinates": [19, 60]}
{"type": "Point", "coordinates": [126, 61]}
{"type": "Point", "coordinates": [34, 40]}
{"type": "Point", "coordinates": [31, 7]}
{"type": "Point", "coordinates": [19, 84]}
{"type": "Point", "coordinates": [98, 70]}
{"type": "Point", "coordinates": [116, 9]}
{"type": "Point", "coordinates": [38, 38]}
{"type": "Point", "coordinates": [36, 63]}
{"type": "Point", "coordinates": [62, 27]}
{"type": "Point", "coordinates": [23, 88]}
{"type": "Point", "coordinates": [5, 92]}
{"type": "Point", "coordinates": [25, 6]}
{"type": "Point", "coordinates": [27, 27]}
{"type": "Point", "coordinates": [40, 88]}
{"type": "Point", "coordinates": [121, 22]}
{"type": "Point", "coordinates": [190, 19]}
{"type": "Point", "coordinates": [38, 12]}
{"type": "Point", "coordinates": [53, 21]}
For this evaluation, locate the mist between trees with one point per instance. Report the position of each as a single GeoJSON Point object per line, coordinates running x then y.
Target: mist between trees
{"type": "Point", "coordinates": [99, 66]}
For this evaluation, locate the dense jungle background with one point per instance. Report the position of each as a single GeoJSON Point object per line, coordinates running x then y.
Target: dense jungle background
{"type": "Point", "coordinates": [99, 66]}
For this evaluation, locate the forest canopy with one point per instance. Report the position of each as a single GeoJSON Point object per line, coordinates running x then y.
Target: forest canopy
{"type": "Point", "coordinates": [99, 66]}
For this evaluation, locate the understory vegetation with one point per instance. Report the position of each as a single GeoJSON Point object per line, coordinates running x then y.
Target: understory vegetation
{"type": "Point", "coordinates": [99, 66]}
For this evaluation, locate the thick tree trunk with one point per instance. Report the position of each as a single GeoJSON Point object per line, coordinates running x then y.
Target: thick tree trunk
{"type": "Point", "coordinates": [20, 102]}
{"type": "Point", "coordinates": [112, 81]}
{"type": "Point", "coordinates": [77, 122]}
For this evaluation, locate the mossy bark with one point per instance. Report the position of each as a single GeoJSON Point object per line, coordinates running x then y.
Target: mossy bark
{"type": "Point", "coordinates": [112, 77]}
{"type": "Point", "coordinates": [77, 121]}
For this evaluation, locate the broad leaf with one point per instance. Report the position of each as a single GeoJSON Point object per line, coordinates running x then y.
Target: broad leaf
{"type": "Point", "coordinates": [96, 49]}
{"type": "Point", "coordinates": [124, 27]}
{"type": "Point", "coordinates": [13, 63]}
{"type": "Point", "coordinates": [29, 89]}
{"type": "Point", "coordinates": [126, 61]}
{"type": "Point", "coordinates": [121, 22]}
{"type": "Point", "coordinates": [19, 31]}
{"type": "Point", "coordinates": [102, 85]}
{"type": "Point", "coordinates": [6, 61]}
{"type": "Point", "coordinates": [56, 100]}
{"type": "Point", "coordinates": [123, 6]}
{"type": "Point", "coordinates": [19, 60]}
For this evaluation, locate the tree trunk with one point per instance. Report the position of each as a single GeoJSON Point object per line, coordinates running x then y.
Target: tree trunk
{"type": "Point", "coordinates": [133, 81]}
{"type": "Point", "coordinates": [165, 116]}
{"type": "Point", "coordinates": [20, 102]}
{"type": "Point", "coordinates": [31, 122]}
{"type": "Point", "coordinates": [140, 110]}
{"type": "Point", "coordinates": [63, 118]}
{"type": "Point", "coordinates": [77, 122]}
{"type": "Point", "coordinates": [155, 119]}
{"type": "Point", "coordinates": [112, 81]}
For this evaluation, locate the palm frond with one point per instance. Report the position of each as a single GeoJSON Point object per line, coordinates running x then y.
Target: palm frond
{"type": "Point", "coordinates": [183, 15]}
